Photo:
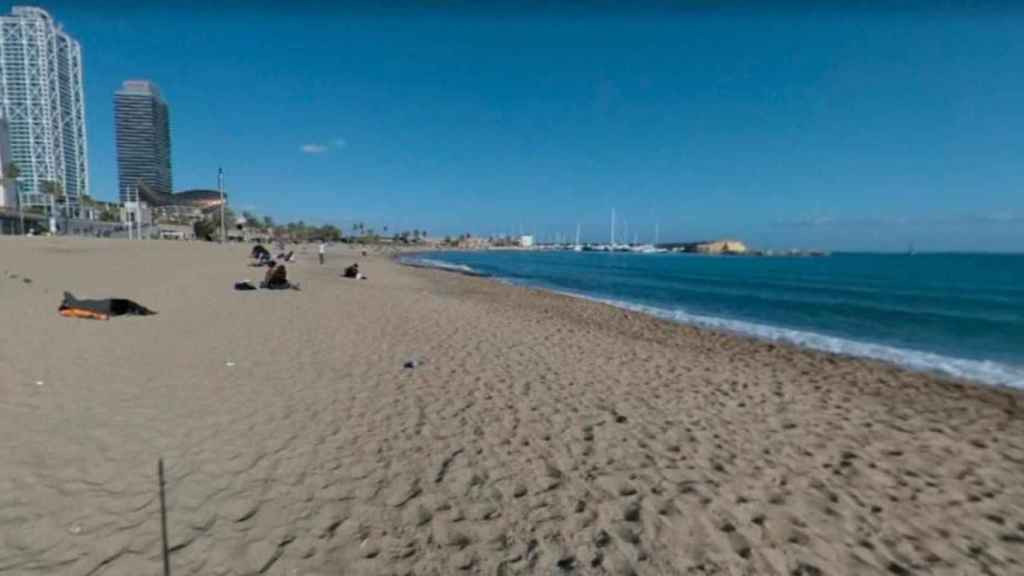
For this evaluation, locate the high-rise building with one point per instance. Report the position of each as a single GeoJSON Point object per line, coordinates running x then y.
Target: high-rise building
{"type": "Point", "coordinates": [143, 139]}
{"type": "Point", "coordinates": [41, 97]}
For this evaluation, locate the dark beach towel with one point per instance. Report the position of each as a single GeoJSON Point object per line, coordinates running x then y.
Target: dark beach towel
{"type": "Point", "coordinates": [101, 309]}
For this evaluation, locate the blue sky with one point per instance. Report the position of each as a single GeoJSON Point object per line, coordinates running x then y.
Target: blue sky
{"type": "Point", "coordinates": [840, 129]}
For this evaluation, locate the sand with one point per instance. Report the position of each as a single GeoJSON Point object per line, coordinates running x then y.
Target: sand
{"type": "Point", "coordinates": [537, 434]}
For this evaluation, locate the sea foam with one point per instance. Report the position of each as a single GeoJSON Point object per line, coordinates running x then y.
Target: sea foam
{"type": "Point", "coordinates": [420, 262]}
{"type": "Point", "coordinates": [982, 371]}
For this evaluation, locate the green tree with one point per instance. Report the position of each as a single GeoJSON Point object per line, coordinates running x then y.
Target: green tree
{"type": "Point", "coordinates": [214, 218]}
{"type": "Point", "coordinates": [109, 215]}
{"type": "Point", "coordinates": [55, 190]}
{"type": "Point", "coordinates": [52, 187]}
{"type": "Point", "coordinates": [268, 222]}
{"type": "Point", "coordinates": [330, 233]}
{"type": "Point", "coordinates": [204, 229]}
{"type": "Point", "coordinates": [12, 171]}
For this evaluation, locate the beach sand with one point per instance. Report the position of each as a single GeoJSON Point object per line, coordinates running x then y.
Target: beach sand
{"type": "Point", "coordinates": [536, 434]}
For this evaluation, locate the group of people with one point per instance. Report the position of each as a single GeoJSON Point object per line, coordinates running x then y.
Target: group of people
{"type": "Point", "coordinates": [262, 255]}
{"type": "Point", "coordinates": [276, 277]}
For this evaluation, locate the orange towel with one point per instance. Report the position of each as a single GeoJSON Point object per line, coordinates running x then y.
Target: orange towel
{"type": "Point", "coordinates": [82, 313]}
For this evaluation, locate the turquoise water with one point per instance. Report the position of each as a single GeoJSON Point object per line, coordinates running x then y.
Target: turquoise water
{"type": "Point", "coordinates": [962, 314]}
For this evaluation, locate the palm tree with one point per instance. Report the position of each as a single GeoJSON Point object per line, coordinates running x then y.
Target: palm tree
{"type": "Point", "coordinates": [55, 190]}
{"type": "Point", "coordinates": [12, 173]}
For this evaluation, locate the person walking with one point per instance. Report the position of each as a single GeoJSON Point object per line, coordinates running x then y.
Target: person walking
{"type": "Point", "coordinates": [323, 248]}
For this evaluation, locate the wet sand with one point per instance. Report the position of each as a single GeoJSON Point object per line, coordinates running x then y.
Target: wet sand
{"type": "Point", "coordinates": [536, 434]}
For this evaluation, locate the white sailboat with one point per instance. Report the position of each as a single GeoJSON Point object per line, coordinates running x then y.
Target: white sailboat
{"type": "Point", "coordinates": [577, 247]}
{"type": "Point", "coordinates": [611, 244]}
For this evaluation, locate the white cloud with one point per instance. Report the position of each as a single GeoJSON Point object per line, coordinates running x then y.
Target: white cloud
{"type": "Point", "coordinates": [314, 148]}
{"type": "Point", "coordinates": [338, 143]}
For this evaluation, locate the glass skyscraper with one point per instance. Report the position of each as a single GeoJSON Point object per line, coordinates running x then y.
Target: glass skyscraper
{"type": "Point", "coordinates": [142, 124]}
{"type": "Point", "coordinates": [42, 99]}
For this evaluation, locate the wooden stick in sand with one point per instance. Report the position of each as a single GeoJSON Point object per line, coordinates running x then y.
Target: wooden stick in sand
{"type": "Point", "coordinates": [163, 518]}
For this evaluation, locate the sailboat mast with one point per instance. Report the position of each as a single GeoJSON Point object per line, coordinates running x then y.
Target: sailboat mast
{"type": "Point", "coordinates": [613, 227]}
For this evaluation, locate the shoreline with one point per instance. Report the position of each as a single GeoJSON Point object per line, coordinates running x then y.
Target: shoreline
{"type": "Point", "coordinates": [1014, 395]}
{"type": "Point", "coordinates": [973, 371]}
{"type": "Point", "coordinates": [535, 433]}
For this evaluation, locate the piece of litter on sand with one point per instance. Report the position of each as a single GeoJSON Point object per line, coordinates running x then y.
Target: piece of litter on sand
{"type": "Point", "coordinates": [39, 382]}
{"type": "Point", "coordinates": [410, 364]}
{"type": "Point", "coordinates": [229, 364]}
{"type": "Point", "coordinates": [75, 529]}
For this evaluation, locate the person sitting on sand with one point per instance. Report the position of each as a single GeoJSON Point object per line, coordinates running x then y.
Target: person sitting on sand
{"type": "Point", "coordinates": [352, 271]}
{"type": "Point", "coordinates": [259, 252]}
{"type": "Point", "coordinates": [276, 277]}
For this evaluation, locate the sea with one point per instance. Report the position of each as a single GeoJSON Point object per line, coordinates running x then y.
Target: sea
{"type": "Point", "coordinates": [957, 314]}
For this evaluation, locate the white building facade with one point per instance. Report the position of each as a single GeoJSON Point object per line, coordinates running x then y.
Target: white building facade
{"type": "Point", "coordinates": [42, 99]}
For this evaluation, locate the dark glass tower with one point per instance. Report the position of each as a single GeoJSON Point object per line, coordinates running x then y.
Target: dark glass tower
{"type": "Point", "coordinates": [142, 124]}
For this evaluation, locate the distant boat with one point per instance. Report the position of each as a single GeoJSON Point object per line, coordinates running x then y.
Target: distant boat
{"type": "Point", "coordinates": [611, 242]}
{"type": "Point", "coordinates": [646, 249]}
{"type": "Point", "coordinates": [910, 250]}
